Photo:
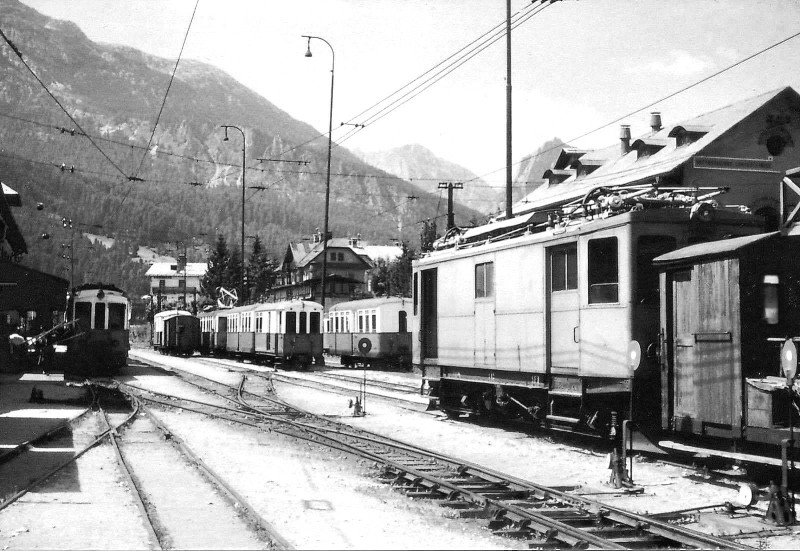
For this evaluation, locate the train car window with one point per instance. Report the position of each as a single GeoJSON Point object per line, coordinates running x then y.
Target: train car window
{"type": "Point", "coordinates": [484, 280]}
{"type": "Point", "coordinates": [99, 315]}
{"type": "Point", "coordinates": [402, 321]}
{"type": "Point", "coordinates": [291, 323]}
{"type": "Point", "coordinates": [116, 316]}
{"type": "Point", "coordinates": [771, 299]}
{"type": "Point", "coordinates": [303, 323]}
{"type": "Point", "coordinates": [313, 323]}
{"type": "Point", "coordinates": [374, 321]}
{"type": "Point", "coordinates": [83, 314]}
{"type": "Point", "coordinates": [564, 269]}
{"type": "Point", "coordinates": [414, 293]}
{"type": "Point", "coordinates": [603, 271]}
{"type": "Point", "coordinates": [361, 322]}
{"type": "Point", "coordinates": [647, 248]}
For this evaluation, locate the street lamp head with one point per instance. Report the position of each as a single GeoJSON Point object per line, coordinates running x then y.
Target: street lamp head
{"type": "Point", "coordinates": [308, 48]}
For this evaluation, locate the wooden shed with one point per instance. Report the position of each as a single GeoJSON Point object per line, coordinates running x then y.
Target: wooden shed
{"type": "Point", "coordinates": [726, 308]}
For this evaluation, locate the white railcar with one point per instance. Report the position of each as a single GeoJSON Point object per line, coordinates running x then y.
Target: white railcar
{"type": "Point", "coordinates": [549, 319]}
{"type": "Point", "coordinates": [371, 331]}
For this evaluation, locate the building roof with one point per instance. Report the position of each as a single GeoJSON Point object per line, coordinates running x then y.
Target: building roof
{"type": "Point", "coordinates": [305, 252]}
{"type": "Point", "coordinates": [725, 247]}
{"type": "Point", "coordinates": [13, 236]}
{"type": "Point", "coordinates": [623, 169]}
{"type": "Point", "coordinates": [168, 269]}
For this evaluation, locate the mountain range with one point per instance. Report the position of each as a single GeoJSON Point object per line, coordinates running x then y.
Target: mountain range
{"type": "Point", "coordinates": [78, 116]}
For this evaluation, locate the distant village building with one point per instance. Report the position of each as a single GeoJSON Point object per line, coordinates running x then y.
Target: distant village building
{"type": "Point", "coordinates": [349, 266]}
{"type": "Point", "coordinates": [747, 146]}
{"type": "Point", "coordinates": [176, 283]}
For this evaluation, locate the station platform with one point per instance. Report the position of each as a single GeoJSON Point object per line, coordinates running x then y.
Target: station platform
{"type": "Point", "coordinates": [23, 419]}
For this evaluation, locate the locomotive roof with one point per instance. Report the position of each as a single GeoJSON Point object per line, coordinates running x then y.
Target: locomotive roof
{"type": "Point", "coordinates": [725, 247]}
{"type": "Point", "coordinates": [99, 286]}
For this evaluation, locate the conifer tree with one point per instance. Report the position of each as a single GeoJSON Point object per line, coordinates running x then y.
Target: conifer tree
{"type": "Point", "coordinates": [217, 266]}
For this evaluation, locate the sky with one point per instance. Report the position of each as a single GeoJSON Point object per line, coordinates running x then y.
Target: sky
{"type": "Point", "coordinates": [577, 65]}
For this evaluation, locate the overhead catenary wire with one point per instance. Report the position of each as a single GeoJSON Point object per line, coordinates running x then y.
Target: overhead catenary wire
{"type": "Point", "coordinates": [55, 99]}
{"type": "Point", "coordinates": [498, 33]}
{"type": "Point", "coordinates": [169, 86]}
{"type": "Point", "coordinates": [651, 104]}
{"type": "Point", "coordinates": [397, 91]}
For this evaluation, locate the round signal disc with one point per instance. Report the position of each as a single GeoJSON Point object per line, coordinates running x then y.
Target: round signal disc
{"type": "Point", "coordinates": [364, 346]}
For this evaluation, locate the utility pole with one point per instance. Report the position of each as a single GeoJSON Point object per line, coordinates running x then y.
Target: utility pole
{"type": "Point", "coordinates": [508, 111]}
{"type": "Point", "coordinates": [450, 186]}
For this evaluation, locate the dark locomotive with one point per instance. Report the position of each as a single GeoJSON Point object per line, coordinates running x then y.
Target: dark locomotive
{"type": "Point", "coordinates": [176, 332]}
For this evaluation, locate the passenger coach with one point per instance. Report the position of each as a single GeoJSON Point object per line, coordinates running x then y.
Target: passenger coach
{"type": "Point", "coordinates": [288, 332]}
{"type": "Point", "coordinates": [373, 331]}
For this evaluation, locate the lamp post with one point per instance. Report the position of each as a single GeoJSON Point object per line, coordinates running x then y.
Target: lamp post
{"type": "Point", "coordinates": [244, 170]}
{"type": "Point", "coordinates": [328, 173]}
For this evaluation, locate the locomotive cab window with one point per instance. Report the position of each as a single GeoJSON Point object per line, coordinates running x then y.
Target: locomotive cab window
{"type": "Point", "coordinates": [564, 268]}
{"type": "Point", "coordinates": [603, 266]}
{"type": "Point", "coordinates": [291, 323]}
{"type": "Point", "coordinates": [99, 315]}
{"type": "Point", "coordinates": [116, 316]}
{"type": "Point", "coordinates": [484, 280]}
{"type": "Point", "coordinates": [83, 314]}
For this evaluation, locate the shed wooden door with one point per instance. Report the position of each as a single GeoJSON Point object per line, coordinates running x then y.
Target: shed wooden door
{"type": "Point", "coordinates": [684, 301]}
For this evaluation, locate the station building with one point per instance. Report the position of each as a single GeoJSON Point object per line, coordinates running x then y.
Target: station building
{"type": "Point", "coordinates": [747, 146]}
{"type": "Point", "coordinates": [30, 301]}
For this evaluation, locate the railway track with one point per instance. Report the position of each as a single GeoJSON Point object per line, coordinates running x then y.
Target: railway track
{"type": "Point", "coordinates": [168, 482]}
{"type": "Point", "coordinates": [544, 517]}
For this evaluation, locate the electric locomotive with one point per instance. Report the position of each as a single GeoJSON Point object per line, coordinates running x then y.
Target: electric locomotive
{"type": "Point", "coordinates": [95, 338]}
{"type": "Point", "coordinates": [372, 331]}
{"type": "Point", "coordinates": [554, 316]}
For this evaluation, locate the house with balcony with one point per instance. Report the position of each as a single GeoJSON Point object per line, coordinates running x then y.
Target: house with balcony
{"type": "Point", "coordinates": [176, 284]}
{"type": "Point", "coordinates": [349, 265]}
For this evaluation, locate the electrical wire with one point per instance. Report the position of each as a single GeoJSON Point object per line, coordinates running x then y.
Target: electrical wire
{"type": "Point", "coordinates": [414, 92]}
{"type": "Point", "coordinates": [386, 98]}
{"type": "Point", "coordinates": [43, 85]}
{"type": "Point", "coordinates": [169, 85]}
{"type": "Point", "coordinates": [668, 96]}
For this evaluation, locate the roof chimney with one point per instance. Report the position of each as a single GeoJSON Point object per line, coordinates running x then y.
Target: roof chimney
{"type": "Point", "coordinates": [655, 121]}
{"type": "Point", "coordinates": [625, 138]}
